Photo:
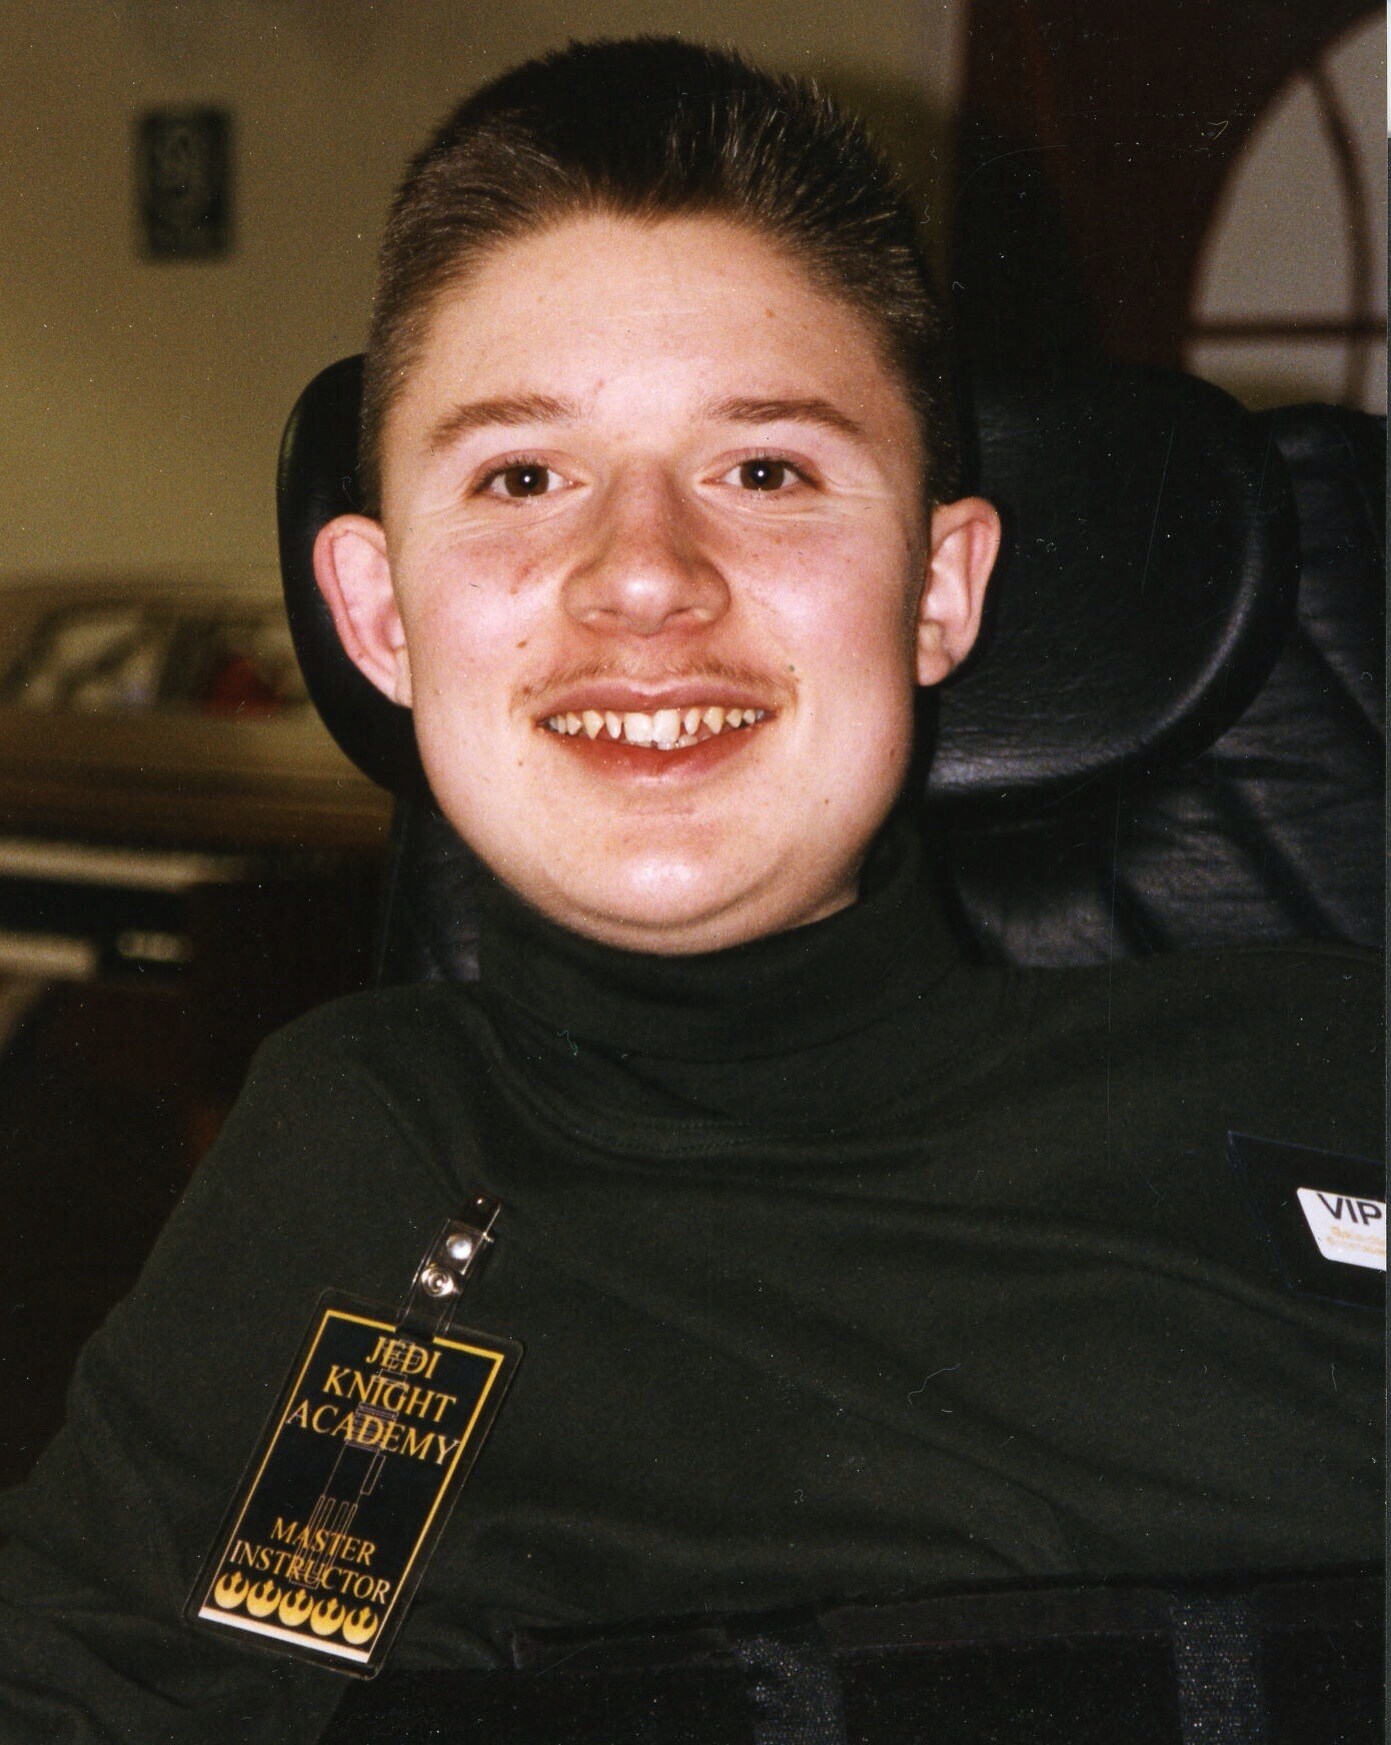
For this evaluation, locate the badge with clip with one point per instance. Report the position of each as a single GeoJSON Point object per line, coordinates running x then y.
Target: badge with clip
{"type": "Point", "coordinates": [358, 1467]}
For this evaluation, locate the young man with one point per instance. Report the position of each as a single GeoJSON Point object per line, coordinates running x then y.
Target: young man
{"type": "Point", "coordinates": [844, 1269]}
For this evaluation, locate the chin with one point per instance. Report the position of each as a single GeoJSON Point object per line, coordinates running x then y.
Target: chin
{"type": "Point", "coordinates": [658, 909]}
{"type": "Point", "coordinates": [677, 909]}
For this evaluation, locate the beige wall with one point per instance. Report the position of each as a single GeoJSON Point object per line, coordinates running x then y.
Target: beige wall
{"type": "Point", "coordinates": [142, 403]}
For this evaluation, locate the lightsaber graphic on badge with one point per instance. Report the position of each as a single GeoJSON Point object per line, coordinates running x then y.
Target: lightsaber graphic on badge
{"type": "Point", "coordinates": [366, 1431]}
{"type": "Point", "coordinates": [323, 1555]}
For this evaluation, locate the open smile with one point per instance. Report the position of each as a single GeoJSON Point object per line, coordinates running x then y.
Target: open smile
{"type": "Point", "coordinates": [659, 729]}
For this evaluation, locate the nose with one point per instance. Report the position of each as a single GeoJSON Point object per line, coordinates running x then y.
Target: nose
{"type": "Point", "coordinates": [645, 569]}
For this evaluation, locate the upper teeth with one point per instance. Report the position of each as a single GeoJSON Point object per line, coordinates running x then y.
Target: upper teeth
{"type": "Point", "coordinates": [666, 729]}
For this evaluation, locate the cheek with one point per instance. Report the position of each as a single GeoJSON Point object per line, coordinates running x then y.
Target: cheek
{"type": "Point", "coordinates": [860, 664]}
{"type": "Point", "coordinates": [467, 633]}
{"type": "Point", "coordinates": [856, 647]}
{"type": "Point", "coordinates": [850, 594]}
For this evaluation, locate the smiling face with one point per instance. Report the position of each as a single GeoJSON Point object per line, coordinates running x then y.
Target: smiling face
{"type": "Point", "coordinates": [655, 576]}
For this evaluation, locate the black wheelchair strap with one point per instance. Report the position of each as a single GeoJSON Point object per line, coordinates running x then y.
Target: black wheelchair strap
{"type": "Point", "coordinates": [1221, 1695]}
{"type": "Point", "coordinates": [794, 1692]}
{"type": "Point", "coordinates": [1271, 1662]}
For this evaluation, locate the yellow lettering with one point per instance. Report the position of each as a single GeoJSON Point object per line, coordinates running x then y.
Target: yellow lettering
{"type": "Point", "coordinates": [403, 1357]}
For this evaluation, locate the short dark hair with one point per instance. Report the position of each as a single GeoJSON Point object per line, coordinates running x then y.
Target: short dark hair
{"type": "Point", "coordinates": [651, 128]}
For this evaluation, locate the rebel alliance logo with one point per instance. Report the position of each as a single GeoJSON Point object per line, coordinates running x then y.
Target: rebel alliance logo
{"type": "Point", "coordinates": [1348, 1230]}
{"type": "Point", "coordinates": [294, 1608]}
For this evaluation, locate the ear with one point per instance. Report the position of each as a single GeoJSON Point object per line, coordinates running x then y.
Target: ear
{"type": "Point", "coordinates": [354, 577]}
{"type": "Point", "coordinates": [965, 543]}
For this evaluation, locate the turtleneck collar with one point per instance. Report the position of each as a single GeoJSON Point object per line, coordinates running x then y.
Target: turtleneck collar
{"type": "Point", "coordinates": [792, 1025]}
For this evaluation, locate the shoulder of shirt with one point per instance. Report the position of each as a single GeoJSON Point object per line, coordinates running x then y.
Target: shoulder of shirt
{"type": "Point", "coordinates": [1295, 963]}
{"type": "Point", "coordinates": [396, 1068]}
{"type": "Point", "coordinates": [1269, 988]}
{"type": "Point", "coordinates": [1280, 1040]}
{"type": "Point", "coordinates": [1312, 960]}
{"type": "Point", "coordinates": [376, 1024]}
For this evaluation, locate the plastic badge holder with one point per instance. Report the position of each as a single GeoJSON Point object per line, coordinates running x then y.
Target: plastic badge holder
{"type": "Point", "coordinates": [358, 1467]}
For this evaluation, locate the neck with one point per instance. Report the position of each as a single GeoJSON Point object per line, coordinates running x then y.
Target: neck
{"type": "Point", "coordinates": [716, 1033]}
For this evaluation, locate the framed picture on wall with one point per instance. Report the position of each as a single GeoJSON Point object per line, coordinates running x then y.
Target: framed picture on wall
{"type": "Point", "coordinates": [183, 178]}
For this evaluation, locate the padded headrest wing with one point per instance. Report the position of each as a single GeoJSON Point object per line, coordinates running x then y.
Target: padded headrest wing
{"type": "Point", "coordinates": [1147, 580]}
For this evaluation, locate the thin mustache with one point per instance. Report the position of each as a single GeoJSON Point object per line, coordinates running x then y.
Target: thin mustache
{"type": "Point", "coordinates": [684, 673]}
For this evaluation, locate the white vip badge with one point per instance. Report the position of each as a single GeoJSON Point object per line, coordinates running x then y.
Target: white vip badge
{"type": "Point", "coordinates": [1347, 1230]}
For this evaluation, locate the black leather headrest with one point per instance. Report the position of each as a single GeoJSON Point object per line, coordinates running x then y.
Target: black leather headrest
{"type": "Point", "coordinates": [1147, 580]}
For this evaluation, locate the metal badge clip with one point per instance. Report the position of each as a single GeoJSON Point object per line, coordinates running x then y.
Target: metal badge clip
{"type": "Point", "coordinates": [428, 1307]}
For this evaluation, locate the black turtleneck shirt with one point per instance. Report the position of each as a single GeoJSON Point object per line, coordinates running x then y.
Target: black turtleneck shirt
{"type": "Point", "coordinates": [844, 1268]}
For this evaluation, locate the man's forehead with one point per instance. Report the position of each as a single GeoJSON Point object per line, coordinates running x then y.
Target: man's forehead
{"type": "Point", "coordinates": [657, 328]}
{"type": "Point", "coordinates": [616, 282]}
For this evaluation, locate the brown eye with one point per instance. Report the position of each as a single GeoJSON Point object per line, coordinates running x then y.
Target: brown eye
{"type": "Point", "coordinates": [526, 480]}
{"type": "Point", "coordinates": [764, 475]}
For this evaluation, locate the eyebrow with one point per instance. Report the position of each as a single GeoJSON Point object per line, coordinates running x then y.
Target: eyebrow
{"type": "Point", "coordinates": [507, 409]}
{"type": "Point", "coordinates": [795, 411]}
{"type": "Point", "coordinates": [512, 409]}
